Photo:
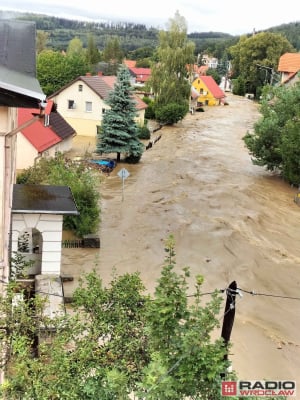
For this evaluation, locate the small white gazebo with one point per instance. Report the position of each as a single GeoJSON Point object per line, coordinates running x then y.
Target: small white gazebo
{"type": "Point", "coordinates": [37, 223]}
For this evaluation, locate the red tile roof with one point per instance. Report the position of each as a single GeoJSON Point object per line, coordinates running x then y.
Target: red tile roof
{"type": "Point", "coordinates": [289, 62]}
{"type": "Point", "coordinates": [212, 86]}
{"type": "Point", "coordinates": [40, 136]}
{"type": "Point", "coordinates": [141, 74]}
{"type": "Point", "coordinates": [129, 63]}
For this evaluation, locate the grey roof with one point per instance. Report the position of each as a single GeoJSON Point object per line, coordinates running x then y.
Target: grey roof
{"type": "Point", "coordinates": [18, 84]}
{"type": "Point", "coordinates": [60, 126]}
{"type": "Point", "coordinates": [43, 199]}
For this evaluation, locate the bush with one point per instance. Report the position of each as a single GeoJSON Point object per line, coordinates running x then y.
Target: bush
{"type": "Point", "coordinates": [150, 110]}
{"type": "Point", "coordinates": [144, 132]}
{"type": "Point", "coordinates": [133, 159]}
{"type": "Point", "coordinates": [58, 171]}
{"type": "Point", "coordinates": [171, 113]}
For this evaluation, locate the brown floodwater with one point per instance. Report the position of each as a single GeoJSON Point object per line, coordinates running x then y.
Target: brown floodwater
{"type": "Point", "coordinates": [231, 220]}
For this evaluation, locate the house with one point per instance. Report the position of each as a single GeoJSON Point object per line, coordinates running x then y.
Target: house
{"type": "Point", "coordinates": [44, 138]}
{"type": "Point", "coordinates": [210, 93]}
{"type": "Point", "coordinates": [83, 102]}
{"type": "Point", "coordinates": [139, 75]}
{"type": "Point", "coordinates": [210, 62]}
{"type": "Point", "coordinates": [288, 67]}
{"type": "Point", "coordinates": [18, 88]}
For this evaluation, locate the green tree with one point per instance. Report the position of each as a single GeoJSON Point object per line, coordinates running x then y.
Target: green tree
{"type": "Point", "coordinates": [254, 59]}
{"type": "Point", "coordinates": [84, 186]}
{"type": "Point", "coordinates": [55, 69]}
{"type": "Point", "coordinates": [275, 142]}
{"type": "Point", "coordinates": [93, 55]}
{"type": "Point", "coordinates": [41, 40]}
{"type": "Point", "coordinates": [214, 74]}
{"type": "Point", "coordinates": [113, 54]}
{"type": "Point", "coordinates": [115, 340]}
{"type": "Point", "coordinates": [75, 47]}
{"type": "Point", "coordinates": [185, 362]}
{"type": "Point", "coordinates": [169, 75]}
{"type": "Point", "coordinates": [119, 131]}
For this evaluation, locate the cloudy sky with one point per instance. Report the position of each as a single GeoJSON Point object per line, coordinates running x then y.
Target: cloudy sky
{"type": "Point", "coordinates": [229, 16]}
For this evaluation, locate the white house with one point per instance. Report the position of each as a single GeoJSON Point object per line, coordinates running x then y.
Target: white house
{"type": "Point", "coordinates": [83, 102]}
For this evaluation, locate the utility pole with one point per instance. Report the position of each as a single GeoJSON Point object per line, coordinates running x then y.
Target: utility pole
{"type": "Point", "coordinates": [229, 315]}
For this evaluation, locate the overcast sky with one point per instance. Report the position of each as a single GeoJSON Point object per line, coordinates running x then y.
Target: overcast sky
{"type": "Point", "coordinates": [229, 16]}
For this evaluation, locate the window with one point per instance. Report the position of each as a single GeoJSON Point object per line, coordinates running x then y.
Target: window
{"type": "Point", "coordinates": [103, 110]}
{"type": "Point", "coordinates": [201, 91]}
{"type": "Point", "coordinates": [88, 106]}
{"type": "Point", "coordinates": [71, 104]}
{"type": "Point", "coordinates": [80, 87]}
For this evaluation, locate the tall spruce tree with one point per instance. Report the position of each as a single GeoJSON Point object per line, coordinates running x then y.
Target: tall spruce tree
{"type": "Point", "coordinates": [119, 131]}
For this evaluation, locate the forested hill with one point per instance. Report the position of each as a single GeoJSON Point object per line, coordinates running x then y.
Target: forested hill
{"type": "Point", "coordinates": [291, 31]}
{"type": "Point", "coordinates": [131, 35]}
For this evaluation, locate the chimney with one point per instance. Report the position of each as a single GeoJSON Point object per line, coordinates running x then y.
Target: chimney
{"type": "Point", "coordinates": [88, 74]}
{"type": "Point", "coordinates": [100, 73]}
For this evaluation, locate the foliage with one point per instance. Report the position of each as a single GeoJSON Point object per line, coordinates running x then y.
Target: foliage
{"type": "Point", "coordinates": [275, 142]}
{"type": "Point", "coordinates": [150, 111]}
{"type": "Point", "coordinates": [171, 113]}
{"type": "Point", "coordinates": [113, 55]}
{"type": "Point", "coordinates": [119, 131]}
{"type": "Point", "coordinates": [41, 41]}
{"type": "Point", "coordinates": [291, 31]}
{"type": "Point", "coordinates": [54, 69]}
{"type": "Point", "coordinates": [75, 47]}
{"type": "Point", "coordinates": [93, 55]}
{"type": "Point", "coordinates": [184, 360]}
{"type": "Point", "coordinates": [143, 132]}
{"type": "Point", "coordinates": [255, 59]}
{"type": "Point", "coordinates": [115, 340]}
{"type": "Point", "coordinates": [19, 265]}
{"type": "Point", "coordinates": [58, 171]}
{"type": "Point", "coordinates": [214, 74]}
{"type": "Point", "coordinates": [169, 75]}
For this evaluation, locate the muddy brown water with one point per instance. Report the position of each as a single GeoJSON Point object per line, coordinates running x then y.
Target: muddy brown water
{"type": "Point", "coordinates": [231, 220]}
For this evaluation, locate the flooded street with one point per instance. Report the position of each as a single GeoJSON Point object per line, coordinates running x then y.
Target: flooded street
{"type": "Point", "coordinates": [231, 221]}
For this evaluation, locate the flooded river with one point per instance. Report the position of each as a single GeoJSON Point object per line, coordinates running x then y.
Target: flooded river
{"type": "Point", "coordinates": [231, 221]}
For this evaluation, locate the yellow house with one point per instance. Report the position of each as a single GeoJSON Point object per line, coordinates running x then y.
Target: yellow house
{"type": "Point", "coordinates": [82, 103]}
{"type": "Point", "coordinates": [210, 93]}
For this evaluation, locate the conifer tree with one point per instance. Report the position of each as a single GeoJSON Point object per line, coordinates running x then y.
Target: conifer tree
{"type": "Point", "coordinates": [119, 131]}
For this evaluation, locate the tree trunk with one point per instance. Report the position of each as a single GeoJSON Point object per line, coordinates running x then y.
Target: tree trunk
{"type": "Point", "coordinates": [118, 157]}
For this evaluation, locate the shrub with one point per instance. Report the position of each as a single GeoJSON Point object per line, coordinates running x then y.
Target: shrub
{"type": "Point", "coordinates": [171, 113]}
{"type": "Point", "coordinates": [144, 132]}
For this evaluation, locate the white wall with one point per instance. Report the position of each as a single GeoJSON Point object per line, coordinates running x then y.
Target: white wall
{"type": "Point", "coordinates": [8, 121]}
{"type": "Point", "coordinates": [50, 227]}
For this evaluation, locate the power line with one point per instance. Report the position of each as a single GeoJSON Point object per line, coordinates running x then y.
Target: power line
{"type": "Point", "coordinates": [253, 293]}
{"type": "Point", "coordinates": [239, 290]}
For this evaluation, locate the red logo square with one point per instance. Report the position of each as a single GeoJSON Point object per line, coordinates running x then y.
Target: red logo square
{"type": "Point", "coordinates": [229, 388]}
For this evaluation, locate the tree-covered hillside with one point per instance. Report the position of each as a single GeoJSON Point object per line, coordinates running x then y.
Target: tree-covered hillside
{"type": "Point", "coordinates": [290, 31]}
{"type": "Point", "coordinates": [134, 36]}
